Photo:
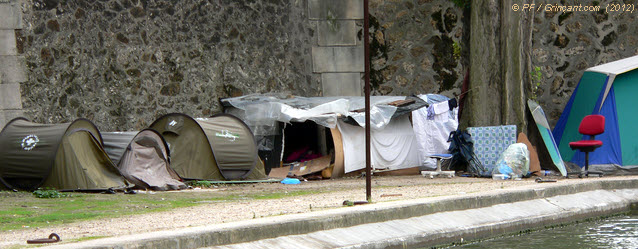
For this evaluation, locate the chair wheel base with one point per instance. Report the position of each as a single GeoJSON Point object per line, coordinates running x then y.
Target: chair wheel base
{"type": "Point", "coordinates": [432, 174]}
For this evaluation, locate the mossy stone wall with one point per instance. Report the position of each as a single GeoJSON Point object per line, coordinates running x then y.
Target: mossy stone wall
{"type": "Point", "coordinates": [124, 63]}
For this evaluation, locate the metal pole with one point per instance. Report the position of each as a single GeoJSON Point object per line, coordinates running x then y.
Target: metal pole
{"type": "Point", "coordinates": [366, 44]}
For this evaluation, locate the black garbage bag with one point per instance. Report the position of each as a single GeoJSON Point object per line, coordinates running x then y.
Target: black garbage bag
{"type": "Point", "coordinates": [463, 157]}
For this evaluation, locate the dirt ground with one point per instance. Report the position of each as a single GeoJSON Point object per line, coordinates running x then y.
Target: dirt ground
{"type": "Point", "coordinates": [322, 195]}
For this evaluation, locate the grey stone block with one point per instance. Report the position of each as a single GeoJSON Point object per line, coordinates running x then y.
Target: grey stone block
{"type": "Point", "coordinates": [10, 16]}
{"type": "Point", "coordinates": [341, 84]}
{"type": "Point", "coordinates": [12, 69]}
{"type": "Point", "coordinates": [337, 59]}
{"type": "Point", "coordinates": [8, 42]}
{"type": "Point", "coordinates": [335, 9]}
{"type": "Point", "coordinates": [337, 33]}
{"type": "Point", "coordinates": [8, 115]}
{"type": "Point", "coordinates": [10, 96]}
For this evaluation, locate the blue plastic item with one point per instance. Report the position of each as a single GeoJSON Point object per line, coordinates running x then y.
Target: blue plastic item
{"type": "Point", "coordinates": [290, 181]}
{"type": "Point", "coordinates": [503, 168]}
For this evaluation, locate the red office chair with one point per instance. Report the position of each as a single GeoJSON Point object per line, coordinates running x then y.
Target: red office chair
{"type": "Point", "coordinates": [591, 125]}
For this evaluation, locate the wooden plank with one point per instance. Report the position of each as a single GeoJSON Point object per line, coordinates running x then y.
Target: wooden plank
{"type": "Point", "coordinates": [398, 172]}
{"type": "Point", "coordinates": [302, 168]}
{"type": "Point", "coordinates": [338, 170]}
{"type": "Point", "coordinates": [399, 103]}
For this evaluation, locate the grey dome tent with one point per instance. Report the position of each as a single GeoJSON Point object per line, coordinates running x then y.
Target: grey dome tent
{"type": "Point", "coordinates": [221, 147]}
{"type": "Point", "coordinates": [143, 159]}
{"type": "Point", "coordinates": [62, 156]}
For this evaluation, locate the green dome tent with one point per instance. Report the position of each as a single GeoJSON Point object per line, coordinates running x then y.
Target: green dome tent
{"type": "Point", "coordinates": [62, 156]}
{"type": "Point", "coordinates": [142, 158]}
{"type": "Point", "coordinates": [221, 147]}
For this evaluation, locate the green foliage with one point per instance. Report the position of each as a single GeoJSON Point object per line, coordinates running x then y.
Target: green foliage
{"type": "Point", "coordinates": [49, 193]}
{"type": "Point", "coordinates": [203, 184]}
{"type": "Point", "coordinates": [89, 238]}
{"type": "Point", "coordinates": [457, 50]}
{"type": "Point", "coordinates": [462, 3]}
{"type": "Point", "coordinates": [332, 21]}
{"type": "Point", "coordinates": [378, 50]}
{"type": "Point", "coordinates": [537, 77]}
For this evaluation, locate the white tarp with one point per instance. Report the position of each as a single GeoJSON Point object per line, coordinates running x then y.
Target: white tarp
{"type": "Point", "coordinates": [432, 134]}
{"type": "Point", "coordinates": [393, 147]}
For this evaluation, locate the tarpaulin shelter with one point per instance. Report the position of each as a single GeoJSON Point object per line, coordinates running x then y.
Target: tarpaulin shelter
{"type": "Point", "coordinates": [65, 156]}
{"type": "Point", "coordinates": [143, 159]}
{"type": "Point", "coordinates": [345, 117]}
{"type": "Point", "coordinates": [610, 90]}
{"type": "Point", "coordinates": [218, 148]}
{"type": "Point", "coordinates": [392, 148]}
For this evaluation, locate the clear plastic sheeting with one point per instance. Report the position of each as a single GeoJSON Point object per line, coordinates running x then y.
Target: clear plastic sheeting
{"type": "Point", "coordinates": [513, 163]}
{"type": "Point", "coordinates": [262, 111]}
{"type": "Point", "coordinates": [381, 114]}
{"type": "Point", "coordinates": [324, 114]}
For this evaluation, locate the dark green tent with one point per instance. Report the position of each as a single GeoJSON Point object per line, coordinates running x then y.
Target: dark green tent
{"type": "Point", "coordinates": [221, 147]}
{"type": "Point", "coordinates": [62, 156]}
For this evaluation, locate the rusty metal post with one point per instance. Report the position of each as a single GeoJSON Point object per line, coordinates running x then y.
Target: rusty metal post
{"type": "Point", "coordinates": [366, 44]}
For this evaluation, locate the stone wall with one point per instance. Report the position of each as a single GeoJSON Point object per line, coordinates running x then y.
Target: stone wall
{"type": "Point", "coordinates": [567, 43]}
{"type": "Point", "coordinates": [338, 56]}
{"type": "Point", "coordinates": [123, 63]}
{"type": "Point", "coordinates": [417, 47]}
{"type": "Point", "coordinates": [12, 72]}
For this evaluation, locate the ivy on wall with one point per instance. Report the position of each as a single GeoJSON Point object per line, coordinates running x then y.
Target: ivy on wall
{"type": "Point", "coordinates": [462, 3]}
{"type": "Point", "coordinates": [378, 50]}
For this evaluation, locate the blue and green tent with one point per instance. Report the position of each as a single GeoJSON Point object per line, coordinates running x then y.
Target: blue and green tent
{"type": "Point", "coordinates": [610, 90]}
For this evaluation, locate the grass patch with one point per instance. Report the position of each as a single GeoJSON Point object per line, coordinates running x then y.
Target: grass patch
{"type": "Point", "coordinates": [23, 210]}
{"type": "Point", "coordinates": [203, 184]}
{"type": "Point", "coordinates": [49, 193]}
{"type": "Point", "coordinates": [89, 238]}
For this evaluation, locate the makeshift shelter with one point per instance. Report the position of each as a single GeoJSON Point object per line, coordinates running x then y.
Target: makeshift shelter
{"type": "Point", "coordinates": [217, 148]}
{"type": "Point", "coordinates": [609, 90]}
{"type": "Point", "coordinates": [393, 147]}
{"type": "Point", "coordinates": [62, 156]}
{"type": "Point", "coordinates": [142, 158]}
{"type": "Point", "coordinates": [333, 126]}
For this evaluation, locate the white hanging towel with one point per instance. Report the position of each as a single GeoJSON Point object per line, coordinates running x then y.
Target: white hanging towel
{"type": "Point", "coordinates": [441, 111]}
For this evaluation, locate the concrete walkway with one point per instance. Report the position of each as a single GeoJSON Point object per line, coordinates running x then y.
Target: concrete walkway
{"type": "Point", "coordinates": [412, 223]}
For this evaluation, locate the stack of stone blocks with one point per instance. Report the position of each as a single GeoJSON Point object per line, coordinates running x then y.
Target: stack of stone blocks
{"type": "Point", "coordinates": [338, 55]}
{"type": "Point", "coordinates": [11, 64]}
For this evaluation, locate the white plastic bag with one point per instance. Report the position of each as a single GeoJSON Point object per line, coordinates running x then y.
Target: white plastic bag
{"type": "Point", "coordinates": [513, 162]}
